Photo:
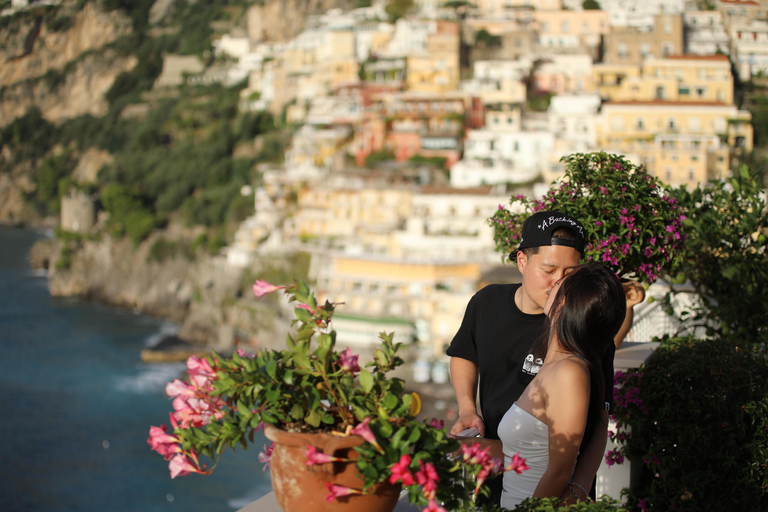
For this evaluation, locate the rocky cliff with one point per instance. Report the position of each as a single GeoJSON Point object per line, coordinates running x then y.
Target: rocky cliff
{"type": "Point", "coordinates": [282, 20]}
{"type": "Point", "coordinates": [212, 304]}
{"type": "Point", "coordinates": [65, 68]}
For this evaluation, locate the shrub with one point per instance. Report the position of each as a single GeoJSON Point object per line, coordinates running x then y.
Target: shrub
{"type": "Point", "coordinates": [695, 415]}
{"type": "Point", "coordinates": [724, 257]}
{"type": "Point", "coordinates": [604, 504]}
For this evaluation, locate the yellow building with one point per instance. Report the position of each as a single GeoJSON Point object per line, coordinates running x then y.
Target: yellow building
{"type": "Point", "coordinates": [438, 70]}
{"type": "Point", "coordinates": [609, 77]}
{"type": "Point", "coordinates": [430, 295]}
{"type": "Point", "coordinates": [327, 212]}
{"type": "Point", "coordinates": [571, 23]}
{"type": "Point", "coordinates": [684, 79]}
{"type": "Point", "coordinates": [680, 142]}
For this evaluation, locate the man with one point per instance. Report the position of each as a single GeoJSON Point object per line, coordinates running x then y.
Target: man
{"type": "Point", "coordinates": [500, 325]}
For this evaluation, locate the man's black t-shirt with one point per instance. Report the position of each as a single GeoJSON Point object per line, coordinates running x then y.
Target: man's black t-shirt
{"type": "Point", "coordinates": [497, 337]}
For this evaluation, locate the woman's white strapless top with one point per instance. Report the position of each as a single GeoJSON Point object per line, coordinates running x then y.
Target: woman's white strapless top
{"type": "Point", "coordinates": [520, 431]}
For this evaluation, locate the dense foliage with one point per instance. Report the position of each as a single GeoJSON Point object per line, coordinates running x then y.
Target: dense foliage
{"type": "Point", "coordinates": [696, 416]}
{"type": "Point", "coordinates": [725, 255]}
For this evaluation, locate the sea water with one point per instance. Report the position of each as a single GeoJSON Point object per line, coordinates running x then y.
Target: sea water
{"type": "Point", "coordinates": [76, 404]}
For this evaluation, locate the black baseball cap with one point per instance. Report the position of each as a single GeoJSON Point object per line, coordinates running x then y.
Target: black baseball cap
{"type": "Point", "coordinates": [538, 229]}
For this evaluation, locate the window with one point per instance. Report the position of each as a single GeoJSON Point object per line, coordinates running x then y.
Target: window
{"type": "Point", "coordinates": [640, 125]}
{"type": "Point", "coordinates": [684, 91]}
{"type": "Point", "coordinates": [545, 26]}
{"type": "Point", "coordinates": [565, 27]}
{"type": "Point", "coordinates": [645, 49]}
{"type": "Point", "coordinates": [660, 92]}
{"type": "Point", "coordinates": [694, 124]}
{"type": "Point", "coordinates": [666, 48]}
{"type": "Point", "coordinates": [701, 91]}
{"type": "Point", "coordinates": [617, 122]}
{"type": "Point", "coordinates": [691, 174]}
{"type": "Point", "coordinates": [623, 49]}
{"type": "Point", "coordinates": [672, 123]}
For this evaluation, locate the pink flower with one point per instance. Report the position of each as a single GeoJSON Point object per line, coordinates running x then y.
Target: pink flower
{"type": "Point", "coordinates": [517, 464]}
{"type": "Point", "coordinates": [261, 288]}
{"type": "Point", "coordinates": [241, 353]}
{"type": "Point", "coordinates": [400, 471]}
{"type": "Point", "coordinates": [307, 308]}
{"type": "Point", "coordinates": [182, 465]}
{"type": "Point", "coordinates": [337, 491]}
{"type": "Point", "coordinates": [265, 457]}
{"type": "Point", "coordinates": [163, 443]}
{"type": "Point", "coordinates": [434, 507]}
{"type": "Point", "coordinates": [316, 457]}
{"type": "Point", "coordinates": [348, 362]}
{"type": "Point", "coordinates": [364, 431]}
{"type": "Point", "coordinates": [603, 190]}
{"type": "Point", "coordinates": [427, 478]}
{"type": "Point", "coordinates": [179, 388]}
{"type": "Point", "coordinates": [643, 505]}
{"type": "Point", "coordinates": [197, 366]}
{"type": "Point", "coordinates": [437, 424]}
{"type": "Point", "coordinates": [598, 223]}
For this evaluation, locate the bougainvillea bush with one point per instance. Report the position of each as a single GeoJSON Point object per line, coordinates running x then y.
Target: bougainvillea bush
{"type": "Point", "coordinates": [312, 387]}
{"type": "Point", "coordinates": [633, 225]}
{"type": "Point", "coordinates": [696, 416]}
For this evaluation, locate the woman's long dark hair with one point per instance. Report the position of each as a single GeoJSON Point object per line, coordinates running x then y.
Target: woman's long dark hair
{"type": "Point", "coordinates": [588, 311]}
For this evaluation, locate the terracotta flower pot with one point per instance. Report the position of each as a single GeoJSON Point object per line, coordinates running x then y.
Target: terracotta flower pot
{"type": "Point", "coordinates": [299, 487]}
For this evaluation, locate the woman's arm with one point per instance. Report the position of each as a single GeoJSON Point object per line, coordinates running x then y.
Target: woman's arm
{"type": "Point", "coordinates": [566, 402]}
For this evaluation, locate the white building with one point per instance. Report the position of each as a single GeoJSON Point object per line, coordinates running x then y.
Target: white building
{"type": "Point", "coordinates": [495, 157]}
{"type": "Point", "coordinates": [705, 33]}
{"type": "Point", "coordinates": [749, 47]}
{"type": "Point", "coordinates": [573, 121]}
{"type": "Point", "coordinates": [639, 13]}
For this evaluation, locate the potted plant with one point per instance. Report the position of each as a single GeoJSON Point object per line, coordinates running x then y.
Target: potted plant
{"type": "Point", "coordinates": [632, 223]}
{"type": "Point", "coordinates": [355, 429]}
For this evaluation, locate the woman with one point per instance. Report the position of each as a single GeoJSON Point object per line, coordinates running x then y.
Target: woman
{"type": "Point", "coordinates": [561, 407]}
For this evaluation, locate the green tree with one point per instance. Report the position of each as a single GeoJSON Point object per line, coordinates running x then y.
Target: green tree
{"type": "Point", "coordinates": [590, 5]}
{"type": "Point", "coordinates": [397, 9]}
{"type": "Point", "coordinates": [725, 255]}
{"type": "Point", "coordinates": [484, 37]}
{"type": "Point", "coordinates": [128, 214]}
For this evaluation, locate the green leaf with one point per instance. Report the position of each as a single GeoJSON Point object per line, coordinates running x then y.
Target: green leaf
{"type": "Point", "coordinates": [366, 380]}
{"type": "Point", "coordinates": [297, 412]}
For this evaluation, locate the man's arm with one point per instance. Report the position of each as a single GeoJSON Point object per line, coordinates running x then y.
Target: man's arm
{"type": "Point", "coordinates": [635, 293]}
{"type": "Point", "coordinates": [464, 378]}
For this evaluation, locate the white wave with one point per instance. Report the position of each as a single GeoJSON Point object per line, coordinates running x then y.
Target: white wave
{"type": "Point", "coordinates": [151, 378]}
{"type": "Point", "coordinates": [38, 272]}
{"type": "Point", "coordinates": [167, 328]}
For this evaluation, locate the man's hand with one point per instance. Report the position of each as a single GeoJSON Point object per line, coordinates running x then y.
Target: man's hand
{"type": "Point", "coordinates": [467, 421]}
{"type": "Point", "coordinates": [634, 292]}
